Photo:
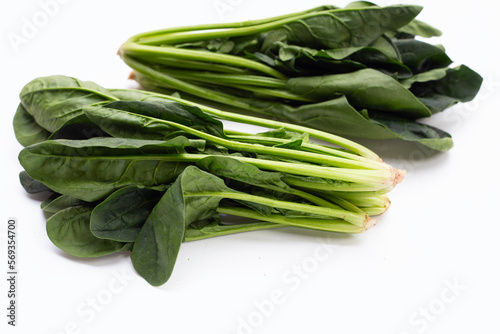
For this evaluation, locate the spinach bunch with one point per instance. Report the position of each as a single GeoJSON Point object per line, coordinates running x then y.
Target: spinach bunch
{"type": "Point", "coordinates": [130, 170]}
{"type": "Point", "coordinates": [357, 71]}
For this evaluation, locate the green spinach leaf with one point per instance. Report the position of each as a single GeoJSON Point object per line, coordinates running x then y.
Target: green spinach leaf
{"type": "Point", "coordinates": [69, 229]}
{"type": "Point", "coordinates": [121, 216]}
{"type": "Point", "coordinates": [26, 129]}
{"type": "Point", "coordinates": [156, 248]}
{"type": "Point", "coordinates": [92, 169]}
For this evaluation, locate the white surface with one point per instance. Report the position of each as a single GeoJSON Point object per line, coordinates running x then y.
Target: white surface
{"type": "Point", "coordinates": [442, 229]}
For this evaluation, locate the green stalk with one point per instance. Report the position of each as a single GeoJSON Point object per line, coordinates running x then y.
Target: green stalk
{"type": "Point", "coordinates": [354, 188]}
{"type": "Point", "coordinates": [271, 24]}
{"type": "Point", "coordinates": [183, 86]}
{"type": "Point", "coordinates": [362, 153]}
{"type": "Point", "coordinates": [331, 225]}
{"type": "Point", "coordinates": [145, 51]}
{"type": "Point", "coordinates": [228, 79]}
{"type": "Point", "coordinates": [306, 146]}
{"type": "Point", "coordinates": [155, 37]}
{"type": "Point", "coordinates": [175, 63]}
{"type": "Point", "coordinates": [386, 174]}
{"type": "Point", "coordinates": [355, 218]}
{"type": "Point", "coordinates": [232, 229]}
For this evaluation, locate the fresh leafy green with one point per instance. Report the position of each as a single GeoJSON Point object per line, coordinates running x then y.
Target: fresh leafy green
{"type": "Point", "coordinates": [69, 229]}
{"type": "Point", "coordinates": [53, 100]}
{"type": "Point", "coordinates": [30, 185]}
{"type": "Point", "coordinates": [299, 67]}
{"type": "Point", "coordinates": [57, 202]}
{"type": "Point", "coordinates": [26, 129]}
{"type": "Point", "coordinates": [92, 169]}
{"type": "Point", "coordinates": [122, 214]}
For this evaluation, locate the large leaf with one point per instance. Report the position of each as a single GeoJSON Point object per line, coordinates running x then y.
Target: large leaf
{"type": "Point", "coordinates": [339, 117]}
{"type": "Point", "coordinates": [69, 230]}
{"type": "Point", "coordinates": [94, 168]}
{"type": "Point", "coordinates": [55, 99]}
{"type": "Point", "coordinates": [364, 89]}
{"type": "Point", "coordinates": [343, 27]}
{"type": "Point", "coordinates": [414, 27]}
{"type": "Point", "coordinates": [156, 248]}
{"type": "Point", "coordinates": [136, 119]}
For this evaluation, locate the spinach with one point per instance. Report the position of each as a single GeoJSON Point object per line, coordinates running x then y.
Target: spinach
{"type": "Point", "coordinates": [51, 101]}
{"type": "Point", "coordinates": [121, 215]}
{"type": "Point", "coordinates": [147, 172]}
{"type": "Point", "coordinates": [26, 129]}
{"type": "Point", "coordinates": [356, 71]}
{"type": "Point", "coordinates": [32, 186]}
{"type": "Point", "coordinates": [57, 202]}
{"type": "Point", "coordinates": [69, 229]}
{"type": "Point", "coordinates": [92, 169]}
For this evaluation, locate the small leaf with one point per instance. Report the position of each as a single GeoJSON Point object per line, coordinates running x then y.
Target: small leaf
{"type": "Point", "coordinates": [121, 216]}
{"type": "Point", "coordinates": [30, 185]}
{"type": "Point", "coordinates": [69, 230]}
{"type": "Point", "coordinates": [26, 129]}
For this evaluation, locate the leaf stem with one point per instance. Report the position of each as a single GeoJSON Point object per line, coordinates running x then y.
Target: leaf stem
{"type": "Point", "coordinates": [331, 225]}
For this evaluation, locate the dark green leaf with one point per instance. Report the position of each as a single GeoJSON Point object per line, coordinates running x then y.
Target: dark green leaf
{"type": "Point", "coordinates": [92, 169]}
{"type": "Point", "coordinates": [156, 248]}
{"type": "Point", "coordinates": [55, 99]}
{"type": "Point", "coordinates": [364, 89]}
{"type": "Point", "coordinates": [26, 129]}
{"type": "Point", "coordinates": [243, 172]}
{"type": "Point", "coordinates": [339, 117]}
{"type": "Point", "coordinates": [57, 202]}
{"type": "Point", "coordinates": [412, 131]}
{"type": "Point", "coordinates": [121, 216]}
{"type": "Point", "coordinates": [460, 84]}
{"type": "Point", "coordinates": [79, 127]}
{"type": "Point", "coordinates": [30, 185]}
{"type": "Point", "coordinates": [420, 56]}
{"type": "Point", "coordinates": [136, 119]}
{"type": "Point", "coordinates": [69, 230]}
{"type": "Point", "coordinates": [344, 27]}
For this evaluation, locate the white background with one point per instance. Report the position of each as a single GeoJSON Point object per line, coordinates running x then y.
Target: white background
{"type": "Point", "coordinates": [429, 266]}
